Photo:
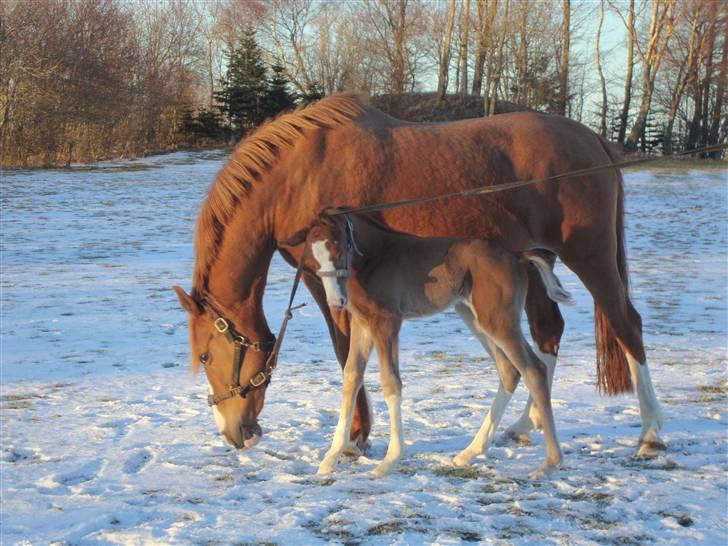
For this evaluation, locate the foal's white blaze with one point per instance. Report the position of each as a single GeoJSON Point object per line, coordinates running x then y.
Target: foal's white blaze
{"type": "Point", "coordinates": [219, 418]}
{"type": "Point", "coordinates": [334, 297]}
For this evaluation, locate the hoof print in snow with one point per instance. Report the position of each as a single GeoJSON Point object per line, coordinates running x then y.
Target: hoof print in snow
{"type": "Point", "coordinates": [137, 461]}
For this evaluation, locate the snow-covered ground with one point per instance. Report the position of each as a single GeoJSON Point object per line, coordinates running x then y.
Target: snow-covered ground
{"type": "Point", "coordinates": [107, 437]}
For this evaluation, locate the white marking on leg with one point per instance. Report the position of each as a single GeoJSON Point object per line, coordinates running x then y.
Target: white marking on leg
{"type": "Point", "coordinates": [650, 411]}
{"type": "Point", "coordinates": [334, 297]}
{"type": "Point", "coordinates": [396, 439]}
{"type": "Point", "coordinates": [219, 417]}
{"type": "Point", "coordinates": [482, 440]}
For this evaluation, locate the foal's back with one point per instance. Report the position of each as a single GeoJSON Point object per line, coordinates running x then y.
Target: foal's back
{"type": "Point", "coordinates": [418, 276]}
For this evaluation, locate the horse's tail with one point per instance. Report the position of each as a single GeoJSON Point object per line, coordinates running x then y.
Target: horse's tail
{"type": "Point", "coordinates": [554, 288]}
{"type": "Point", "coordinates": [612, 368]}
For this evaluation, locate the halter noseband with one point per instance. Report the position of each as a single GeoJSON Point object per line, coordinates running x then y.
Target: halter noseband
{"type": "Point", "coordinates": [241, 344]}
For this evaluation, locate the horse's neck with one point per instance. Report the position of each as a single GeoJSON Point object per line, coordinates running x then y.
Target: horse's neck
{"type": "Point", "coordinates": [238, 277]}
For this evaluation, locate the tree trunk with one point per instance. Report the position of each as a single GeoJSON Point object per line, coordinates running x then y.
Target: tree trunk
{"type": "Point", "coordinates": [603, 112]}
{"type": "Point", "coordinates": [464, 37]}
{"type": "Point", "coordinates": [708, 56]}
{"type": "Point", "coordinates": [492, 96]}
{"type": "Point", "coordinates": [660, 30]}
{"type": "Point", "coordinates": [564, 68]}
{"type": "Point", "coordinates": [624, 115]}
{"type": "Point", "coordinates": [442, 76]}
{"type": "Point", "coordinates": [481, 16]}
{"type": "Point", "coordinates": [719, 93]}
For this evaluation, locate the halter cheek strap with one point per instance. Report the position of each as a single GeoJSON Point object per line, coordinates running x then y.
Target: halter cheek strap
{"type": "Point", "coordinates": [241, 344]}
{"type": "Point", "coordinates": [350, 247]}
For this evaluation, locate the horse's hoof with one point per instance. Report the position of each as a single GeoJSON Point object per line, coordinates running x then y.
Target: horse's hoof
{"type": "Point", "coordinates": [462, 459]}
{"type": "Point", "coordinates": [650, 449]}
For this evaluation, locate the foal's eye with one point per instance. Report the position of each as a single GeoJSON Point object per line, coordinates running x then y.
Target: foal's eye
{"type": "Point", "coordinates": [204, 357]}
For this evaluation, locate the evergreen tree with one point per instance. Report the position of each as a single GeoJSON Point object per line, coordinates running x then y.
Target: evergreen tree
{"type": "Point", "coordinates": [245, 85]}
{"type": "Point", "coordinates": [314, 92]}
{"type": "Point", "coordinates": [278, 97]}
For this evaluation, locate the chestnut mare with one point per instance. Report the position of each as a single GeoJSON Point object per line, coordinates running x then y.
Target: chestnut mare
{"type": "Point", "coordinates": [340, 151]}
{"type": "Point", "coordinates": [383, 278]}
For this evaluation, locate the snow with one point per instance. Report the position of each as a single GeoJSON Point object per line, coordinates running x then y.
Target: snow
{"type": "Point", "coordinates": [107, 438]}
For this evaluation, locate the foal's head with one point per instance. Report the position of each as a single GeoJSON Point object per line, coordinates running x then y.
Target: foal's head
{"type": "Point", "coordinates": [329, 247]}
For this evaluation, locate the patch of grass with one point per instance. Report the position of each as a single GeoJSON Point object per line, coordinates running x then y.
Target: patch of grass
{"type": "Point", "coordinates": [465, 536]}
{"type": "Point", "coordinates": [462, 473]}
{"type": "Point", "coordinates": [386, 528]}
{"type": "Point", "coordinates": [683, 519]}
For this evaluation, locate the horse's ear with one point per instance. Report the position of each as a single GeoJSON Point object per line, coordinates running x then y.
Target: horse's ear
{"type": "Point", "coordinates": [188, 303]}
{"type": "Point", "coordinates": [296, 239]}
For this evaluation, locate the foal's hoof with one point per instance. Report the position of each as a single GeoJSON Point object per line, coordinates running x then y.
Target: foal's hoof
{"type": "Point", "coordinates": [326, 468]}
{"type": "Point", "coordinates": [463, 458]}
{"type": "Point", "coordinates": [545, 472]}
{"type": "Point", "coordinates": [650, 449]}
{"type": "Point", "coordinates": [518, 438]}
{"type": "Point", "coordinates": [352, 450]}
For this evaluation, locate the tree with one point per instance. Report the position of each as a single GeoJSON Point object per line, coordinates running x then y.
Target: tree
{"type": "Point", "coordinates": [244, 85]}
{"type": "Point", "coordinates": [662, 24]}
{"type": "Point", "coordinates": [278, 97]}
{"type": "Point", "coordinates": [603, 110]}
{"type": "Point", "coordinates": [564, 65]}
{"type": "Point", "coordinates": [444, 52]}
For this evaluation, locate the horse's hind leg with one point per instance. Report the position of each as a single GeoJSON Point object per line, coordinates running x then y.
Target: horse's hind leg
{"type": "Point", "coordinates": [359, 351]}
{"type": "Point", "coordinates": [362, 419]}
{"type": "Point", "coordinates": [604, 282]}
{"type": "Point", "coordinates": [509, 377]}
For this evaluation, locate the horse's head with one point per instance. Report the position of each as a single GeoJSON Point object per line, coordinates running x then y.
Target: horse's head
{"type": "Point", "coordinates": [329, 247]}
{"type": "Point", "coordinates": [235, 368]}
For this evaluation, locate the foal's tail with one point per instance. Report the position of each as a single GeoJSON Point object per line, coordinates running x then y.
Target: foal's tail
{"type": "Point", "coordinates": [554, 288]}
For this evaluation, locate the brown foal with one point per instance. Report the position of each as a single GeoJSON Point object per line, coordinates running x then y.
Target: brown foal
{"type": "Point", "coordinates": [383, 278]}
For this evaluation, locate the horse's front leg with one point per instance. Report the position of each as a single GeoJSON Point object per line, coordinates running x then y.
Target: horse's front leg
{"type": "Point", "coordinates": [359, 350]}
{"type": "Point", "coordinates": [339, 331]}
{"type": "Point", "coordinates": [387, 345]}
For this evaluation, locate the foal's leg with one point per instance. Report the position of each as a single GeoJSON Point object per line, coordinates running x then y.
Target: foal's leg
{"type": "Point", "coordinates": [362, 420]}
{"type": "Point", "coordinates": [509, 377]}
{"type": "Point", "coordinates": [547, 326]}
{"type": "Point", "coordinates": [536, 378]}
{"type": "Point", "coordinates": [387, 346]}
{"type": "Point", "coordinates": [359, 350]}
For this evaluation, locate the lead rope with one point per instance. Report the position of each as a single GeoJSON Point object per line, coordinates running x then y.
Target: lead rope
{"type": "Point", "coordinates": [271, 363]}
{"type": "Point", "coordinates": [482, 190]}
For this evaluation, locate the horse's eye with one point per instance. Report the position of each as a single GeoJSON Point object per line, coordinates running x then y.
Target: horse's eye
{"type": "Point", "coordinates": [204, 357]}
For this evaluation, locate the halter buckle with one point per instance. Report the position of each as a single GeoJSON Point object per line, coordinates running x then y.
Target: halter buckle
{"type": "Point", "coordinates": [221, 325]}
{"type": "Point", "coordinates": [258, 379]}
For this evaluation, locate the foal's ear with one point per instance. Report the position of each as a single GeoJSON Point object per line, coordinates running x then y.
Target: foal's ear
{"type": "Point", "coordinates": [188, 303]}
{"type": "Point", "coordinates": [296, 239]}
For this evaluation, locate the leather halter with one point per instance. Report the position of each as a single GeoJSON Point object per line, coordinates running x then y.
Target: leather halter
{"type": "Point", "coordinates": [241, 344]}
{"type": "Point", "coordinates": [350, 247]}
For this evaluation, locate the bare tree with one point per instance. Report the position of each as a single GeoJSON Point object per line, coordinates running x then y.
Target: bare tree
{"type": "Point", "coordinates": [444, 61]}
{"type": "Point", "coordinates": [564, 65]}
{"type": "Point", "coordinates": [603, 110]}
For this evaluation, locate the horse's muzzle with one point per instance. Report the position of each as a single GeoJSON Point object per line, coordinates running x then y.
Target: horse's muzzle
{"type": "Point", "coordinates": [247, 437]}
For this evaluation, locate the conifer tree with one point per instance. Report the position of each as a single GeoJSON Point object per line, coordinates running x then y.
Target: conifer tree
{"type": "Point", "coordinates": [278, 97]}
{"type": "Point", "coordinates": [245, 85]}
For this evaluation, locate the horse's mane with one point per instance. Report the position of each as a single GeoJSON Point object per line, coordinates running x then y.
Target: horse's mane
{"type": "Point", "coordinates": [252, 157]}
